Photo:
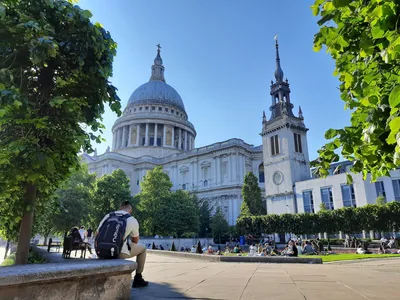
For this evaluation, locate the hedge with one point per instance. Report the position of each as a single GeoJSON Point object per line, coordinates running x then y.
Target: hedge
{"type": "Point", "coordinates": [347, 220]}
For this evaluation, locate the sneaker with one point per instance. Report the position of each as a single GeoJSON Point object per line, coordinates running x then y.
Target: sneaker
{"type": "Point", "coordinates": [139, 282]}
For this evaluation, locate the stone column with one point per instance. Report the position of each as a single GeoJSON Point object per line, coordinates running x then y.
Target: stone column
{"type": "Point", "coordinates": [138, 135]}
{"type": "Point", "coordinates": [180, 139]}
{"type": "Point", "coordinates": [114, 139]}
{"type": "Point", "coordinates": [130, 135]}
{"type": "Point", "coordinates": [340, 235]}
{"type": "Point", "coordinates": [124, 136]}
{"type": "Point", "coordinates": [186, 141]}
{"type": "Point", "coordinates": [231, 169]}
{"type": "Point", "coordinates": [155, 134]}
{"type": "Point", "coordinates": [119, 138]}
{"type": "Point", "coordinates": [164, 138]}
{"type": "Point", "coordinates": [146, 139]}
{"type": "Point", "coordinates": [371, 234]}
{"type": "Point", "coordinates": [215, 171]}
{"type": "Point", "coordinates": [173, 137]}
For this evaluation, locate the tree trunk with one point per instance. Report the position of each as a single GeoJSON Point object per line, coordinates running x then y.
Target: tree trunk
{"type": "Point", "coordinates": [7, 248]}
{"type": "Point", "coordinates": [25, 229]}
{"type": "Point", "coordinates": [45, 239]}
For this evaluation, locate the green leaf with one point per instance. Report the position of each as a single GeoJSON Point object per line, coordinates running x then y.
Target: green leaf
{"type": "Point", "coordinates": [340, 3]}
{"type": "Point", "coordinates": [349, 178]}
{"type": "Point", "coordinates": [395, 125]}
{"type": "Point", "coordinates": [331, 133]}
{"type": "Point", "coordinates": [2, 112]}
{"type": "Point", "coordinates": [17, 103]}
{"type": "Point", "coordinates": [2, 10]}
{"type": "Point", "coordinates": [394, 97]}
{"type": "Point", "coordinates": [86, 14]}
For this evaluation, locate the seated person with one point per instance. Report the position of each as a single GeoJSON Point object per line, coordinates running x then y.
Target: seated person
{"type": "Point", "coordinates": [291, 249]}
{"type": "Point", "coordinates": [308, 249]}
{"type": "Point", "coordinates": [237, 249]}
{"type": "Point", "coordinates": [391, 242]}
{"type": "Point", "coordinates": [77, 239]}
{"type": "Point", "coordinates": [209, 250]}
{"type": "Point", "coordinates": [360, 250]}
{"type": "Point", "coordinates": [193, 250]}
{"type": "Point", "coordinates": [299, 249]}
{"type": "Point", "coordinates": [253, 250]}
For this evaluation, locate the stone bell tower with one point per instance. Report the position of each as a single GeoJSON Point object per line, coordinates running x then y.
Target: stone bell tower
{"type": "Point", "coordinates": [285, 150]}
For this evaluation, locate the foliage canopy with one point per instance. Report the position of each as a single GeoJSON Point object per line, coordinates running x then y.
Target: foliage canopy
{"type": "Point", "coordinates": [363, 38]}
{"type": "Point", "coordinates": [54, 71]}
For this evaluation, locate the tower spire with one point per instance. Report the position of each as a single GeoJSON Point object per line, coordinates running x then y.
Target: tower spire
{"type": "Point", "coordinates": [278, 71]}
{"type": "Point", "coordinates": [300, 113]}
{"type": "Point", "coordinates": [157, 70]}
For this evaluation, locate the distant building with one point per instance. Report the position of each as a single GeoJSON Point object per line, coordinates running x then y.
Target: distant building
{"type": "Point", "coordinates": [155, 130]}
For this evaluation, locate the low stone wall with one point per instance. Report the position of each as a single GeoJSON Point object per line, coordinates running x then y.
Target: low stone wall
{"type": "Point", "coordinates": [74, 279]}
{"type": "Point", "coordinates": [252, 259]}
{"type": "Point", "coordinates": [179, 243]}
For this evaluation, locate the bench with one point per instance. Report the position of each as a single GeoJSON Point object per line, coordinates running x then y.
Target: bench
{"type": "Point", "coordinates": [56, 244]}
{"type": "Point", "coordinates": [68, 247]}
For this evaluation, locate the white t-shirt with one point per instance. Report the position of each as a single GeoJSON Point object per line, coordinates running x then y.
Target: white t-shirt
{"type": "Point", "coordinates": [82, 233]}
{"type": "Point", "coordinates": [132, 229]}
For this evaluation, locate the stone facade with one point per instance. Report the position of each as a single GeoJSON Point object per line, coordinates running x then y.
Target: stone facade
{"type": "Point", "coordinates": [155, 130]}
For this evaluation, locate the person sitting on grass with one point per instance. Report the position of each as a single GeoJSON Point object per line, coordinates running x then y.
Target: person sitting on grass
{"type": "Point", "coordinates": [237, 249]}
{"type": "Point", "coordinates": [291, 249]}
{"type": "Point", "coordinates": [210, 250]}
{"type": "Point", "coordinates": [308, 249]}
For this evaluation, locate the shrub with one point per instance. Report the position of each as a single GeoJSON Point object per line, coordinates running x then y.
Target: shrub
{"type": "Point", "coordinates": [173, 247]}
{"type": "Point", "coordinates": [199, 250]}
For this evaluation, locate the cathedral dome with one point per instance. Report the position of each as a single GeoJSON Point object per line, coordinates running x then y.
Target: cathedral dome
{"type": "Point", "coordinates": [156, 92]}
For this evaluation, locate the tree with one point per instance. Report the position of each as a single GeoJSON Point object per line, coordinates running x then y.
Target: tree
{"type": "Point", "coordinates": [322, 206]}
{"type": "Point", "coordinates": [72, 200]}
{"type": "Point", "coordinates": [251, 194]}
{"type": "Point", "coordinates": [219, 225]}
{"type": "Point", "coordinates": [205, 219]}
{"type": "Point", "coordinates": [54, 71]}
{"type": "Point", "coordinates": [110, 192]}
{"type": "Point", "coordinates": [364, 39]}
{"type": "Point", "coordinates": [155, 187]}
{"type": "Point", "coordinates": [165, 212]}
{"type": "Point", "coordinates": [198, 248]}
{"type": "Point", "coordinates": [381, 200]}
{"type": "Point", "coordinates": [173, 247]}
{"type": "Point", "coordinates": [244, 210]}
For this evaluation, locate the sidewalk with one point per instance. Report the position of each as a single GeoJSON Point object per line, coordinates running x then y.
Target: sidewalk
{"type": "Point", "coordinates": [172, 277]}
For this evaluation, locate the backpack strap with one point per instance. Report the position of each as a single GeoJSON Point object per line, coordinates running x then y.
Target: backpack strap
{"type": "Point", "coordinates": [127, 216]}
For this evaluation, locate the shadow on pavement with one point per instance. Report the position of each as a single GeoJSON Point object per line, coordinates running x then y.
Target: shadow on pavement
{"type": "Point", "coordinates": [158, 291]}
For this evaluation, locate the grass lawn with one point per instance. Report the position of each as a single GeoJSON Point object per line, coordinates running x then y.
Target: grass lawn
{"type": "Point", "coordinates": [336, 257]}
{"type": "Point", "coordinates": [351, 256]}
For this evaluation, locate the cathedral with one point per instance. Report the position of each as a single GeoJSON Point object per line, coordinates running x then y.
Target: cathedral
{"type": "Point", "coordinates": [155, 130]}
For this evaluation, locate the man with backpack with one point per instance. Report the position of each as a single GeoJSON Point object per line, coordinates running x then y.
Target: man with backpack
{"type": "Point", "coordinates": [118, 237]}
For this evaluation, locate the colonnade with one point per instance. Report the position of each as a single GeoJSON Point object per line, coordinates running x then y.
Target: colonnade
{"type": "Point", "coordinates": [153, 134]}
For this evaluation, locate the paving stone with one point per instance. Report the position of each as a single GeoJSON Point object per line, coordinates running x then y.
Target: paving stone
{"type": "Point", "coordinates": [180, 278]}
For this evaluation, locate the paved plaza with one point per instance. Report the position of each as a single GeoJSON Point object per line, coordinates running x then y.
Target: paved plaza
{"type": "Point", "coordinates": [177, 278]}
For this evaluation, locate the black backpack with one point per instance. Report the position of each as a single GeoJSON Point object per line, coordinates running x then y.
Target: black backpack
{"type": "Point", "coordinates": [110, 239]}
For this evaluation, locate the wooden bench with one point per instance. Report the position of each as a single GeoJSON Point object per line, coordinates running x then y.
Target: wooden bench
{"type": "Point", "coordinates": [68, 247]}
{"type": "Point", "coordinates": [55, 244]}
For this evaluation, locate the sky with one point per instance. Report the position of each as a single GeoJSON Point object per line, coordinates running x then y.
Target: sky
{"type": "Point", "coordinates": [220, 57]}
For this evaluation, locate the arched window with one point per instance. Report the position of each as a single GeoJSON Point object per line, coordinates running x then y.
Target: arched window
{"type": "Point", "coordinates": [183, 186]}
{"type": "Point", "coordinates": [261, 177]}
{"type": "Point", "coordinates": [206, 183]}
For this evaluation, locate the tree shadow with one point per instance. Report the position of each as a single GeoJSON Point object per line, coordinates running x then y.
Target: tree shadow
{"type": "Point", "coordinates": [158, 291]}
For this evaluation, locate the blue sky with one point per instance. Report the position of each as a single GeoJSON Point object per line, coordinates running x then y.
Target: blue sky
{"type": "Point", "coordinates": [220, 57]}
